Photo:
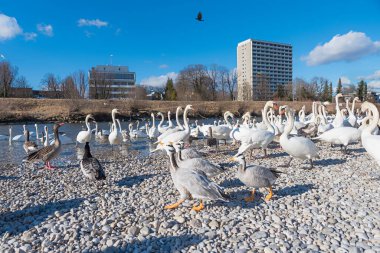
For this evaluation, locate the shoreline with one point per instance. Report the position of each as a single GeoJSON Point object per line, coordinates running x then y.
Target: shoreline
{"type": "Point", "coordinates": [15, 110]}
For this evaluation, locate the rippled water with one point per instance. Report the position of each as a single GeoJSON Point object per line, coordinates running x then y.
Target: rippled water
{"type": "Point", "coordinates": [14, 153]}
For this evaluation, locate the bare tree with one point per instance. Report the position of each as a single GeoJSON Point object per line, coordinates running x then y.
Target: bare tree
{"type": "Point", "coordinates": [230, 81]}
{"type": "Point", "coordinates": [69, 88]}
{"type": "Point", "coordinates": [100, 85]}
{"type": "Point", "coordinates": [8, 74]}
{"type": "Point", "coordinates": [21, 82]}
{"type": "Point", "coordinates": [50, 82]}
{"type": "Point", "coordinates": [263, 89]}
{"type": "Point", "coordinates": [214, 73]}
{"type": "Point", "coordinates": [81, 82]}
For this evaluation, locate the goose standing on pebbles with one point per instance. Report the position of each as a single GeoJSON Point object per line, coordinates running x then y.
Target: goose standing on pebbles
{"type": "Point", "coordinates": [199, 164]}
{"type": "Point", "coordinates": [29, 146]}
{"type": "Point", "coordinates": [255, 176]}
{"type": "Point", "coordinates": [297, 146]}
{"type": "Point", "coordinates": [90, 166]}
{"type": "Point", "coordinates": [85, 136]}
{"type": "Point", "coordinates": [192, 183]}
{"type": "Point", "coordinates": [48, 153]}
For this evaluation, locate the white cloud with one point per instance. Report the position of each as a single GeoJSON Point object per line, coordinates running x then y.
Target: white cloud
{"type": "Point", "coordinates": [45, 29]}
{"type": "Point", "coordinates": [2, 56]}
{"type": "Point", "coordinates": [9, 27]}
{"type": "Point", "coordinates": [347, 47]}
{"type": "Point", "coordinates": [158, 81]}
{"type": "Point", "coordinates": [30, 36]}
{"type": "Point", "coordinates": [373, 76]}
{"type": "Point", "coordinates": [92, 22]}
{"type": "Point", "coordinates": [345, 80]}
{"type": "Point", "coordinates": [374, 84]}
{"type": "Point", "coordinates": [163, 66]}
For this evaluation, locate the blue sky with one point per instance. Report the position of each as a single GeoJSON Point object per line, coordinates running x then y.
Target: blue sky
{"type": "Point", "coordinates": [159, 38]}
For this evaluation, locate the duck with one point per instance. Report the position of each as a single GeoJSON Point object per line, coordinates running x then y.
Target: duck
{"type": "Point", "coordinates": [115, 137]}
{"type": "Point", "coordinates": [48, 153]}
{"type": "Point", "coordinates": [29, 146]}
{"type": "Point", "coordinates": [85, 136]}
{"type": "Point", "coordinates": [192, 183]}
{"type": "Point", "coordinates": [371, 142]}
{"type": "Point", "coordinates": [90, 166]}
{"type": "Point", "coordinates": [255, 176]}
{"type": "Point", "coordinates": [296, 146]}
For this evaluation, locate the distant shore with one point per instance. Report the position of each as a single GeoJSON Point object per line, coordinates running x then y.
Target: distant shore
{"type": "Point", "coordinates": [69, 110]}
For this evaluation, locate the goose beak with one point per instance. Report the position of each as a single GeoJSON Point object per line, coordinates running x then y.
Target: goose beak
{"type": "Point", "coordinates": [232, 159]}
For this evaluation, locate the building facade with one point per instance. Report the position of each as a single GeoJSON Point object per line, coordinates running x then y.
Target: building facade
{"type": "Point", "coordinates": [261, 67]}
{"type": "Point", "coordinates": [111, 82]}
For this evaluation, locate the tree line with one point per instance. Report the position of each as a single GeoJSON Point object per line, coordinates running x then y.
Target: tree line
{"type": "Point", "coordinates": [201, 82]}
{"type": "Point", "coordinates": [73, 86]}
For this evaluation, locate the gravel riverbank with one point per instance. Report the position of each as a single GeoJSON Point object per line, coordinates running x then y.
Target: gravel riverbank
{"type": "Point", "coordinates": [334, 207]}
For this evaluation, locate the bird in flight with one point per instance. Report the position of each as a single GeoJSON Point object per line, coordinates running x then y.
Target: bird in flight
{"type": "Point", "coordinates": [199, 17]}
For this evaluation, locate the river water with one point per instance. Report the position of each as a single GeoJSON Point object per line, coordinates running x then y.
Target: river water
{"type": "Point", "coordinates": [13, 153]}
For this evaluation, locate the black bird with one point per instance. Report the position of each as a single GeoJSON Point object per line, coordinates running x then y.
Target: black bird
{"type": "Point", "coordinates": [90, 166]}
{"type": "Point", "coordinates": [199, 17]}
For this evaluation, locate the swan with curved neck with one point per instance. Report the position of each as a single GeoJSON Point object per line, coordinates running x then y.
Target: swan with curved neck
{"type": "Point", "coordinates": [153, 131]}
{"type": "Point", "coordinates": [181, 135]}
{"type": "Point", "coordinates": [170, 123]}
{"type": "Point", "coordinates": [297, 147]}
{"type": "Point", "coordinates": [46, 142]}
{"type": "Point", "coordinates": [114, 137]}
{"type": "Point", "coordinates": [371, 142]}
{"type": "Point", "coordinates": [338, 121]}
{"type": "Point", "coordinates": [179, 127]}
{"type": "Point", "coordinates": [85, 136]}
{"type": "Point", "coordinates": [258, 138]}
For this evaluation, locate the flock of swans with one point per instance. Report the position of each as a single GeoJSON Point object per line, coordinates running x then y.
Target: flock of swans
{"type": "Point", "coordinates": [192, 173]}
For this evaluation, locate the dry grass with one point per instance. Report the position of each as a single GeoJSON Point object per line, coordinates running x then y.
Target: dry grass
{"type": "Point", "coordinates": [17, 109]}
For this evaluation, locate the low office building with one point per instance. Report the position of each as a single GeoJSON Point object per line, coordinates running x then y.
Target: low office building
{"type": "Point", "coordinates": [111, 82]}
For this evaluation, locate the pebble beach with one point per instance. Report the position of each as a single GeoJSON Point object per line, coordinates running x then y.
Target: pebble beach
{"type": "Point", "coordinates": [334, 207]}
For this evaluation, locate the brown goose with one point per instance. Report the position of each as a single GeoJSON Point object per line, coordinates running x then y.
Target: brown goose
{"type": "Point", "coordinates": [90, 166]}
{"type": "Point", "coordinates": [29, 146]}
{"type": "Point", "coordinates": [48, 153]}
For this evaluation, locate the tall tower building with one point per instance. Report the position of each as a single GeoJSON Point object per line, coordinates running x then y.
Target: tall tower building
{"type": "Point", "coordinates": [261, 67]}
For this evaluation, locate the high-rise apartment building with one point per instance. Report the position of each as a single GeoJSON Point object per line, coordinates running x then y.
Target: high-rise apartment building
{"type": "Point", "coordinates": [111, 82]}
{"type": "Point", "coordinates": [261, 67]}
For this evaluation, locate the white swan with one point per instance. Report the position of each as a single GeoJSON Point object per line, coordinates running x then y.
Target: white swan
{"type": "Point", "coordinates": [351, 115]}
{"type": "Point", "coordinates": [179, 127]}
{"type": "Point", "coordinates": [341, 136]}
{"type": "Point", "coordinates": [85, 136]}
{"type": "Point", "coordinates": [222, 132]}
{"type": "Point", "coordinates": [37, 135]}
{"type": "Point", "coordinates": [115, 137]}
{"type": "Point", "coordinates": [20, 137]}
{"type": "Point", "coordinates": [162, 129]}
{"type": "Point", "coordinates": [46, 142]}
{"type": "Point", "coordinates": [297, 147]}
{"type": "Point", "coordinates": [153, 131]}
{"type": "Point", "coordinates": [259, 138]}
{"type": "Point", "coordinates": [370, 142]}
{"type": "Point", "coordinates": [182, 135]}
